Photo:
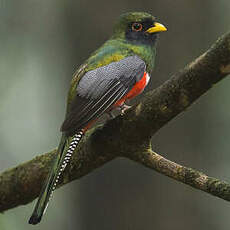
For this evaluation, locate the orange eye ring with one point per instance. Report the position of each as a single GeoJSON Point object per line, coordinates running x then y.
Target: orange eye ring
{"type": "Point", "coordinates": [137, 26]}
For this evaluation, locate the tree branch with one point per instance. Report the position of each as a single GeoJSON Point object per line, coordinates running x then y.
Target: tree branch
{"type": "Point", "coordinates": [183, 174]}
{"type": "Point", "coordinates": [122, 137]}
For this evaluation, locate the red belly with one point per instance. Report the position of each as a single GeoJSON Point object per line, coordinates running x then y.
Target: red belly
{"type": "Point", "coordinates": [136, 90]}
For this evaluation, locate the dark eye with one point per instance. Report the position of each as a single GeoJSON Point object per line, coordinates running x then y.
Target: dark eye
{"type": "Point", "coordinates": [136, 26]}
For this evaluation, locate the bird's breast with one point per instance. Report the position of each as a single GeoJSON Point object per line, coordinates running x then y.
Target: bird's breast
{"type": "Point", "coordinates": [136, 90]}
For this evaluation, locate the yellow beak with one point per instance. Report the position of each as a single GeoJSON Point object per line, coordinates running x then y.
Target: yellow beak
{"type": "Point", "coordinates": [156, 28]}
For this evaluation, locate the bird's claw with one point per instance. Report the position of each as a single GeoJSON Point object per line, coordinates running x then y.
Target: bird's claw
{"type": "Point", "coordinates": [124, 107]}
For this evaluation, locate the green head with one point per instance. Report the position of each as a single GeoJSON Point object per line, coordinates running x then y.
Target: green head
{"type": "Point", "coordinates": [138, 28]}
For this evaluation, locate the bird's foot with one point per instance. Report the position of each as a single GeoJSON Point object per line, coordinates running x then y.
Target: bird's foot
{"type": "Point", "coordinates": [124, 107]}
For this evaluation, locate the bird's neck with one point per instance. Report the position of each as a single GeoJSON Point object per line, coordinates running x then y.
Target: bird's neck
{"type": "Point", "coordinates": [117, 49]}
{"type": "Point", "coordinates": [146, 52]}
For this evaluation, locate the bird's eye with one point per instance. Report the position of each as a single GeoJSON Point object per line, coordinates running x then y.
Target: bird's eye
{"type": "Point", "coordinates": [136, 26]}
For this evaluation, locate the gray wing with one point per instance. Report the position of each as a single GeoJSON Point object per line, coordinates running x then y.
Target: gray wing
{"type": "Point", "coordinates": [99, 89]}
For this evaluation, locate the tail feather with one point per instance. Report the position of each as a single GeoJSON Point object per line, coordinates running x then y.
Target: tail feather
{"type": "Point", "coordinates": [58, 167]}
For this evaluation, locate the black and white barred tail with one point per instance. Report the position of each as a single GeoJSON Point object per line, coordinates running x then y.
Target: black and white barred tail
{"type": "Point", "coordinates": [59, 164]}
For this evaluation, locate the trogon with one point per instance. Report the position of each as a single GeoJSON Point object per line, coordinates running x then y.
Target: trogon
{"type": "Point", "coordinates": [119, 70]}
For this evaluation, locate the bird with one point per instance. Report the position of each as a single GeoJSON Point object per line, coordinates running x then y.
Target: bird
{"type": "Point", "coordinates": [117, 71]}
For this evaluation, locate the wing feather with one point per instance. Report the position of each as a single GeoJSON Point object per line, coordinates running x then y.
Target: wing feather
{"type": "Point", "coordinates": [99, 89]}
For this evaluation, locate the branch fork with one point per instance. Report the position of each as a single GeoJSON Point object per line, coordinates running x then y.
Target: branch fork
{"type": "Point", "coordinates": [132, 132]}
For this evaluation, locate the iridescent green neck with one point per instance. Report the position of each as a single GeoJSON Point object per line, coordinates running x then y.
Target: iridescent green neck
{"type": "Point", "coordinates": [117, 49]}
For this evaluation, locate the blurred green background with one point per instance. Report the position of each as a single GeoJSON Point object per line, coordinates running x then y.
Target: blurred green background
{"type": "Point", "coordinates": [41, 44]}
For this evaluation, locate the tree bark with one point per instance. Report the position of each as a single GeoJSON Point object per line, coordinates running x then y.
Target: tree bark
{"type": "Point", "coordinates": [130, 135]}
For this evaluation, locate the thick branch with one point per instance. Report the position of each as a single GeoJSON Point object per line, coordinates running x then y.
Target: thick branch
{"type": "Point", "coordinates": [22, 184]}
{"type": "Point", "coordinates": [121, 136]}
{"type": "Point", "coordinates": [175, 95]}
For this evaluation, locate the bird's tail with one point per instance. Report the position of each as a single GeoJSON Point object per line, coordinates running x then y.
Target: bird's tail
{"type": "Point", "coordinates": [59, 164]}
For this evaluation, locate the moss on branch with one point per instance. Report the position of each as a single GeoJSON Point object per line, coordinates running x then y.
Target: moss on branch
{"type": "Point", "coordinates": [122, 137]}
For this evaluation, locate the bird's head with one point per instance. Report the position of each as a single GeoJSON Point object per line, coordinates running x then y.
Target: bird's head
{"type": "Point", "coordinates": [138, 28]}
